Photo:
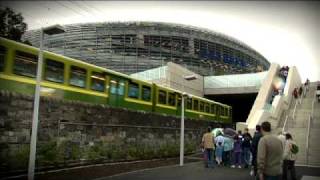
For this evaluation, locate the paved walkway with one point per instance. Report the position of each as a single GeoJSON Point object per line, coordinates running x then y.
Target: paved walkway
{"type": "Point", "coordinates": [196, 171]}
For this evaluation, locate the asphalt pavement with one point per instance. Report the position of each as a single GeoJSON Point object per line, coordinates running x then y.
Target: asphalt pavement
{"type": "Point", "coordinates": [196, 171]}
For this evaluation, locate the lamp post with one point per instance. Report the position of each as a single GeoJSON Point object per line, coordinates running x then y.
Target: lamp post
{"type": "Point", "coordinates": [55, 29]}
{"type": "Point", "coordinates": [184, 94]}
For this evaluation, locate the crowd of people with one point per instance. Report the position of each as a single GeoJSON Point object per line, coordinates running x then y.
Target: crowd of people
{"type": "Point", "coordinates": [270, 157]}
{"type": "Point", "coordinates": [302, 90]}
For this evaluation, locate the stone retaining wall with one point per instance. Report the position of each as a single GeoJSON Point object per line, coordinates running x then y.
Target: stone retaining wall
{"type": "Point", "coordinates": [73, 132]}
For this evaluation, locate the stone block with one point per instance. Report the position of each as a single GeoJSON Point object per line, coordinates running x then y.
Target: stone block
{"type": "Point", "coordinates": [13, 139]}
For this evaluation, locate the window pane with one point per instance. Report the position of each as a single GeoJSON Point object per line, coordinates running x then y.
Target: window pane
{"type": "Point", "coordinates": [2, 57]}
{"type": "Point", "coordinates": [54, 71]}
{"type": "Point", "coordinates": [146, 93]}
{"type": "Point", "coordinates": [121, 88]}
{"type": "Point", "coordinates": [78, 76]}
{"type": "Point", "coordinates": [98, 81]}
{"type": "Point", "coordinates": [189, 103]}
{"type": "Point", "coordinates": [162, 97]}
{"type": "Point", "coordinates": [25, 64]}
{"type": "Point", "coordinates": [195, 105]}
{"type": "Point", "coordinates": [179, 100]}
{"type": "Point", "coordinates": [212, 109]}
{"type": "Point", "coordinates": [207, 109]}
{"type": "Point", "coordinates": [113, 86]}
{"type": "Point", "coordinates": [201, 106]}
{"type": "Point", "coordinates": [133, 91]}
{"type": "Point", "coordinates": [172, 99]}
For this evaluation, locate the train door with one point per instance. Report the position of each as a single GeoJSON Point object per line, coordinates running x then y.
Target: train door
{"type": "Point", "coordinates": [116, 91]}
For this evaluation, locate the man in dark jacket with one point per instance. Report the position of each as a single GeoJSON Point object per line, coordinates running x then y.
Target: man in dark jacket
{"type": "Point", "coordinates": [246, 145]}
{"type": "Point", "coordinates": [254, 149]}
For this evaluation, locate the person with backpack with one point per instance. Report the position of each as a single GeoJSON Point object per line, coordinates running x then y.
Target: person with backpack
{"type": "Point", "coordinates": [290, 155]}
{"type": "Point", "coordinates": [246, 144]}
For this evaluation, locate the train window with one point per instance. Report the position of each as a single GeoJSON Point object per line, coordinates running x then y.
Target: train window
{"type": "Point", "coordinates": [179, 100]}
{"type": "Point", "coordinates": [218, 110]}
{"type": "Point", "coordinates": [2, 57]}
{"type": "Point", "coordinates": [195, 105]}
{"type": "Point", "coordinates": [201, 106]}
{"type": "Point", "coordinates": [207, 108]}
{"type": "Point", "coordinates": [98, 81]}
{"type": "Point", "coordinates": [146, 93]}
{"type": "Point", "coordinates": [121, 87]}
{"type": "Point", "coordinates": [25, 64]}
{"type": "Point", "coordinates": [133, 90]}
{"type": "Point", "coordinates": [78, 76]}
{"type": "Point", "coordinates": [172, 99]}
{"type": "Point", "coordinates": [54, 71]}
{"type": "Point", "coordinates": [189, 103]}
{"type": "Point", "coordinates": [113, 86]}
{"type": "Point", "coordinates": [212, 109]}
{"type": "Point", "coordinates": [162, 97]}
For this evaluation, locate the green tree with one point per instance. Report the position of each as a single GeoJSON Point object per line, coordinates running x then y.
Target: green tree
{"type": "Point", "coordinates": [11, 24]}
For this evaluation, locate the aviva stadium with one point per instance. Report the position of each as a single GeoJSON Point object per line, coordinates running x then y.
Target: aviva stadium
{"type": "Point", "coordinates": [131, 47]}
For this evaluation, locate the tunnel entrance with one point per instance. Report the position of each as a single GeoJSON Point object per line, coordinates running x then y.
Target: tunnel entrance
{"type": "Point", "coordinates": [241, 104]}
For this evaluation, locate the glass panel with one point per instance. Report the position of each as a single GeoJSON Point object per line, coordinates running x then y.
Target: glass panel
{"type": "Point", "coordinates": [195, 105]}
{"type": "Point", "coordinates": [25, 64]}
{"type": "Point", "coordinates": [133, 90]}
{"type": "Point", "coordinates": [207, 108]}
{"type": "Point", "coordinates": [189, 103]}
{"type": "Point", "coordinates": [113, 86]}
{"type": "Point", "coordinates": [54, 71]}
{"type": "Point", "coordinates": [218, 110]}
{"type": "Point", "coordinates": [78, 76]}
{"type": "Point", "coordinates": [172, 99]}
{"type": "Point", "coordinates": [201, 106]}
{"type": "Point", "coordinates": [121, 88]}
{"type": "Point", "coordinates": [212, 109]}
{"type": "Point", "coordinates": [162, 97]}
{"type": "Point", "coordinates": [98, 81]}
{"type": "Point", "coordinates": [179, 99]}
{"type": "Point", "coordinates": [146, 93]}
{"type": "Point", "coordinates": [2, 57]}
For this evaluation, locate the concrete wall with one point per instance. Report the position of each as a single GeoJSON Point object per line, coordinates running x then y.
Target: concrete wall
{"type": "Point", "coordinates": [73, 132]}
{"type": "Point", "coordinates": [264, 93]}
{"type": "Point", "coordinates": [280, 103]}
{"type": "Point", "coordinates": [175, 76]}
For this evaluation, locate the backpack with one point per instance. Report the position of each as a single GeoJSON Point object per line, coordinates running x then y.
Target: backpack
{"type": "Point", "coordinates": [294, 148]}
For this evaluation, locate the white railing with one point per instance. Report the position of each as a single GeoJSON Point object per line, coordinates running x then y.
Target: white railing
{"type": "Point", "coordinates": [309, 125]}
{"type": "Point", "coordinates": [294, 110]}
{"type": "Point", "coordinates": [285, 123]}
{"type": "Point", "coordinates": [307, 140]}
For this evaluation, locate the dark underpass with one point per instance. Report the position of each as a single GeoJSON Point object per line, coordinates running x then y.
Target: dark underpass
{"type": "Point", "coordinates": [241, 104]}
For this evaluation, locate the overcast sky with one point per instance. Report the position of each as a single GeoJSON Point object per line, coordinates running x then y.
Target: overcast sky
{"type": "Point", "coordinates": [287, 33]}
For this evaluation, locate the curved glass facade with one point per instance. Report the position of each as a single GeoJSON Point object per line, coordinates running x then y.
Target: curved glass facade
{"type": "Point", "coordinates": [138, 46]}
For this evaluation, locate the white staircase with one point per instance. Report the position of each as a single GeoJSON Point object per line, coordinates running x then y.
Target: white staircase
{"type": "Point", "coordinates": [305, 130]}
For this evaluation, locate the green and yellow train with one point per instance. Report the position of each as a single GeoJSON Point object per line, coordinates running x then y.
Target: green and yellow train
{"type": "Point", "coordinates": [71, 79]}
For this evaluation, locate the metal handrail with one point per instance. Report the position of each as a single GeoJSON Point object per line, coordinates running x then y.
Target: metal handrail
{"type": "Point", "coordinates": [285, 123]}
{"type": "Point", "coordinates": [309, 125]}
{"type": "Point", "coordinates": [307, 140]}
{"type": "Point", "coordinates": [294, 110]}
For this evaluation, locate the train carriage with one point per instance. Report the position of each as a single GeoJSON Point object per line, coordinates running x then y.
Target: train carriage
{"type": "Point", "coordinates": [71, 79]}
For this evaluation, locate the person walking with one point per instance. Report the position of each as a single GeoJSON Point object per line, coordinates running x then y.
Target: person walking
{"type": "Point", "coordinates": [289, 157]}
{"type": "Point", "coordinates": [246, 144]}
{"type": "Point", "coordinates": [254, 149]}
{"type": "Point", "coordinates": [219, 147]}
{"type": "Point", "coordinates": [237, 152]}
{"type": "Point", "coordinates": [270, 152]}
{"type": "Point", "coordinates": [207, 144]}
